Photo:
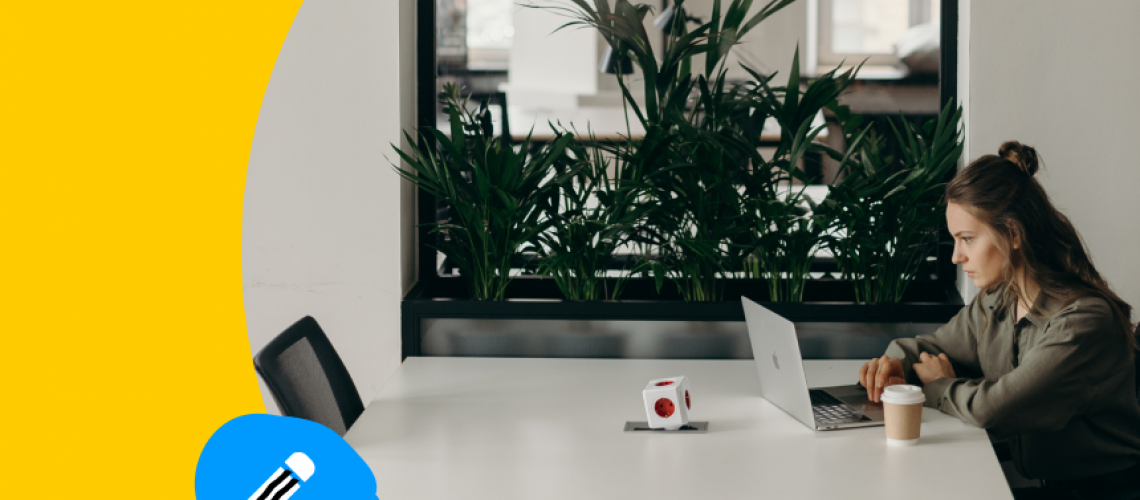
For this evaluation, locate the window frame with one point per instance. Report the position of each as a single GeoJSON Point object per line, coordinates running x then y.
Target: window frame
{"type": "Point", "coordinates": [426, 94]}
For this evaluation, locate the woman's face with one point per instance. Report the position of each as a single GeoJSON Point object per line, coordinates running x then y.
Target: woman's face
{"type": "Point", "coordinates": [974, 246]}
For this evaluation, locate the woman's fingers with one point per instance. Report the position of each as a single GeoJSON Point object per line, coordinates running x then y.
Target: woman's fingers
{"type": "Point", "coordinates": [881, 376]}
{"type": "Point", "coordinates": [868, 379]}
{"type": "Point", "coordinates": [946, 366]}
{"type": "Point", "coordinates": [878, 373]}
{"type": "Point", "coordinates": [867, 376]}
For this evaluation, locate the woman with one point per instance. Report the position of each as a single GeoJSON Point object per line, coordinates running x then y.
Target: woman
{"type": "Point", "coordinates": [1043, 358]}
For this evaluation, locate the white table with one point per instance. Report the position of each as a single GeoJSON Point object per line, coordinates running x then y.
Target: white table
{"type": "Point", "coordinates": [460, 428]}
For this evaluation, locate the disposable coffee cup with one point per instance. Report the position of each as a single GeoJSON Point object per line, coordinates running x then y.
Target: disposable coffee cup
{"type": "Point", "coordinates": [902, 408]}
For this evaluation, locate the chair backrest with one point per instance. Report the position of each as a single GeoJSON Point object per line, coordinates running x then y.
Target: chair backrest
{"type": "Point", "coordinates": [307, 377]}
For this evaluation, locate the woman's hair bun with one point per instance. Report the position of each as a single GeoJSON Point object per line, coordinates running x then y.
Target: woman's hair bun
{"type": "Point", "coordinates": [1025, 157]}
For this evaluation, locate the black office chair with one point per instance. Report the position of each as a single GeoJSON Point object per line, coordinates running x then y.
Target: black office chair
{"type": "Point", "coordinates": [307, 377]}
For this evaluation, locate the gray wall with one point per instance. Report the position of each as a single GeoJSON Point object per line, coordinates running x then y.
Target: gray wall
{"type": "Point", "coordinates": [326, 224]}
{"type": "Point", "coordinates": [1061, 77]}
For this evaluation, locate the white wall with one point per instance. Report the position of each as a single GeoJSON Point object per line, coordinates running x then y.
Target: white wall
{"type": "Point", "coordinates": [325, 225]}
{"type": "Point", "coordinates": [1061, 76]}
{"type": "Point", "coordinates": [965, 285]}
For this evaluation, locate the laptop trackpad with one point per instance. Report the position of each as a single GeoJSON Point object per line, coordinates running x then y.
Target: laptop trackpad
{"type": "Point", "coordinates": [856, 397]}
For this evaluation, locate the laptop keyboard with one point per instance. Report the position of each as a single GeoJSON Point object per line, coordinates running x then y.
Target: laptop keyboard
{"type": "Point", "coordinates": [830, 411]}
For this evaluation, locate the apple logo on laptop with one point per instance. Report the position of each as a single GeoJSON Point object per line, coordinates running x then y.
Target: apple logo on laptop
{"type": "Point", "coordinates": [775, 361]}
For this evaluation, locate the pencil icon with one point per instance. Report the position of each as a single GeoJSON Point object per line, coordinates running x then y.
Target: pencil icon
{"type": "Point", "coordinates": [284, 483]}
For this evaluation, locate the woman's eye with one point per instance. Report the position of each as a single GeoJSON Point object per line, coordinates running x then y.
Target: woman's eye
{"type": "Point", "coordinates": [967, 240]}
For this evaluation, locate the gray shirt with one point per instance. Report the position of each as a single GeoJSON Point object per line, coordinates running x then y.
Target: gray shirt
{"type": "Point", "coordinates": [1060, 388]}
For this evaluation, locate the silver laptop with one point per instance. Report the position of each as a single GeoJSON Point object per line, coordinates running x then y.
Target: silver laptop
{"type": "Point", "coordinates": [783, 383]}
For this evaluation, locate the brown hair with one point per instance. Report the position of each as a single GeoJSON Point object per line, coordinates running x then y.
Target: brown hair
{"type": "Point", "coordinates": [1001, 192]}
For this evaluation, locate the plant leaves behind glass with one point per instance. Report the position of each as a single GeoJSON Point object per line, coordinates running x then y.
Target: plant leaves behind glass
{"type": "Point", "coordinates": [493, 191]}
{"type": "Point", "coordinates": [595, 215]}
{"type": "Point", "coordinates": [784, 229]}
{"type": "Point", "coordinates": [887, 213]}
{"type": "Point", "coordinates": [694, 194]}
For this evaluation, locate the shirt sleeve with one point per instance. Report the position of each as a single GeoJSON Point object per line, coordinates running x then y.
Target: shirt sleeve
{"type": "Point", "coordinates": [957, 339]}
{"type": "Point", "coordinates": [1056, 380]}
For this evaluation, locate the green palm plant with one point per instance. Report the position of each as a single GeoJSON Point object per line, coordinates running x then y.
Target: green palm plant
{"type": "Point", "coordinates": [786, 231]}
{"type": "Point", "coordinates": [691, 160]}
{"type": "Point", "coordinates": [714, 206]}
{"type": "Point", "coordinates": [715, 169]}
{"type": "Point", "coordinates": [703, 161]}
{"type": "Point", "coordinates": [785, 248]}
{"type": "Point", "coordinates": [886, 214]}
{"type": "Point", "coordinates": [668, 83]}
{"type": "Point", "coordinates": [494, 191]}
{"type": "Point", "coordinates": [695, 211]}
{"type": "Point", "coordinates": [595, 216]}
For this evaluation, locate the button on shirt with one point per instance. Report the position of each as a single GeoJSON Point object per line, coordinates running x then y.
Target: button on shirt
{"type": "Point", "coordinates": [1059, 385]}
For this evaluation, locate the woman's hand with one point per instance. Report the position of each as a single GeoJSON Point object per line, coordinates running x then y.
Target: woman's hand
{"type": "Point", "coordinates": [930, 368]}
{"type": "Point", "coordinates": [879, 373]}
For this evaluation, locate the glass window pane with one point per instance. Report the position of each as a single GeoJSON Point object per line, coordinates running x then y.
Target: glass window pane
{"type": "Point", "coordinates": [451, 31]}
{"type": "Point", "coordinates": [489, 24]}
{"type": "Point", "coordinates": [867, 26]}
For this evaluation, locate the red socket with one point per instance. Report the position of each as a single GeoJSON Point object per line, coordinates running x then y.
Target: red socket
{"type": "Point", "coordinates": [688, 404]}
{"type": "Point", "coordinates": [667, 382]}
{"type": "Point", "coordinates": [664, 407]}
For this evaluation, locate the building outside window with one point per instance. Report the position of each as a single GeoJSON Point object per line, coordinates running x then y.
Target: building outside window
{"type": "Point", "coordinates": [853, 30]}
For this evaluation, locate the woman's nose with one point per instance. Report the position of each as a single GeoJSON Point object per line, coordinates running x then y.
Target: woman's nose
{"type": "Point", "coordinates": [957, 257]}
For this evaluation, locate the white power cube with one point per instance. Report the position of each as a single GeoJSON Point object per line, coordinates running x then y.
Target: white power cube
{"type": "Point", "coordinates": [667, 402]}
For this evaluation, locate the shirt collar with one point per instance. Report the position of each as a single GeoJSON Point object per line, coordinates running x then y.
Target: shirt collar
{"type": "Point", "coordinates": [1043, 308]}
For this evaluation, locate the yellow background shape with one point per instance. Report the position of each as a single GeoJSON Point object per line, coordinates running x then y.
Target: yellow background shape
{"type": "Point", "coordinates": [126, 131]}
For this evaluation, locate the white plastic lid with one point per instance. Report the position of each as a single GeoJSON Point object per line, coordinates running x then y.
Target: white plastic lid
{"type": "Point", "coordinates": [903, 394]}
